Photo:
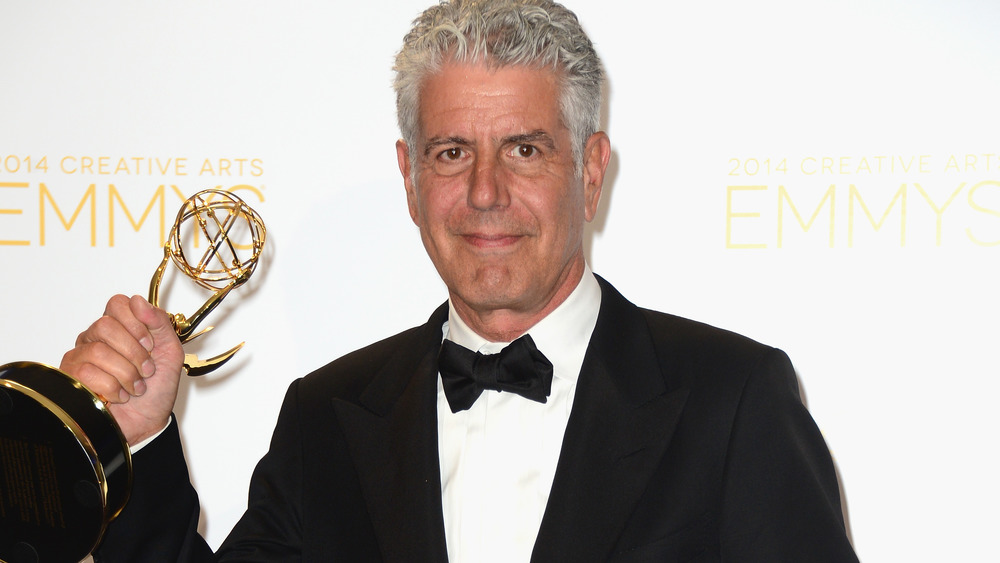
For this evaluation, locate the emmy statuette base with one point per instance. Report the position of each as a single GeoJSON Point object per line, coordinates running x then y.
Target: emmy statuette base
{"type": "Point", "coordinates": [65, 468]}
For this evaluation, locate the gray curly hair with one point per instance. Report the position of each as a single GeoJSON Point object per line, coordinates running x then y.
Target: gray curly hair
{"type": "Point", "coordinates": [537, 33]}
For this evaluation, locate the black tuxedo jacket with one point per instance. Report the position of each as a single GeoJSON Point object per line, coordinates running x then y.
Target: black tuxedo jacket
{"type": "Point", "coordinates": [685, 443]}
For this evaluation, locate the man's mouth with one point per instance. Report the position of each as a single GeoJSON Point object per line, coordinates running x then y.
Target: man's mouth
{"type": "Point", "coordinates": [491, 240]}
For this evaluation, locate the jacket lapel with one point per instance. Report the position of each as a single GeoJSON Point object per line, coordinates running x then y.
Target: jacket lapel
{"type": "Point", "coordinates": [392, 435]}
{"type": "Point", "coordinates": [622, 419]}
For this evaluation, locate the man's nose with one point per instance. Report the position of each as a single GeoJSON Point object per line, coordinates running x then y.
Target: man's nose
{"type": "Point", "coordinates": [487, 188]}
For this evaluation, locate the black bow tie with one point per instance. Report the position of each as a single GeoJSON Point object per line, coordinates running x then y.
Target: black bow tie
{"type": "Point", "coordinates": [519, 368]}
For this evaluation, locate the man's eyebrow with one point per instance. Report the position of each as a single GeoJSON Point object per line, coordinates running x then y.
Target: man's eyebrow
{"type": "Point", "coordinates": [536, 137]}
{"type": "Point", "coordinates": [436, 142]}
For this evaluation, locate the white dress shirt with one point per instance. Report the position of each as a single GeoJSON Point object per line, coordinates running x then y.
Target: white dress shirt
{"type": "Point", "coordinates": [498, 458]}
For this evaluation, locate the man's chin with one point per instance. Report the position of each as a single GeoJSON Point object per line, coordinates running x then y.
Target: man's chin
{"type": "Point", "coordinates": [491, 293]}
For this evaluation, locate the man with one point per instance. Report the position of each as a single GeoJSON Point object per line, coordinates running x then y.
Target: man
{"type": "Point", "coordinates": [646, 438]}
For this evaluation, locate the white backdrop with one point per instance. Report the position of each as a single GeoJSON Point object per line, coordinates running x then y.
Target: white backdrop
{"type": "Point", "coordinates": [821, 176]}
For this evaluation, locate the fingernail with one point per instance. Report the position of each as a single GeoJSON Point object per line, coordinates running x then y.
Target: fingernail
{"type": "Point", "coordinates": [140, 387]}
{"type": "Point", "coordinates": [148, 368]}
{"type": "Point", "coordinates": [147, 343]}
{"type": "Point", "coordinates": [123, 396]}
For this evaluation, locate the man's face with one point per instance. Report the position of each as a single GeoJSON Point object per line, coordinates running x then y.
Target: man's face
{"type": "Point", "coordinates": [497, 198]}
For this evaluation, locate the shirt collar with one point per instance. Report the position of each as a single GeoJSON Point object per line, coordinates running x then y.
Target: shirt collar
{"type": "Point", "coordinates": [563, 335]}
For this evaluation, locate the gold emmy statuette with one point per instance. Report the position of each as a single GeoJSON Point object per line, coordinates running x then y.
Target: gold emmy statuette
{"type": "Point", "coordinates": [65, 467]}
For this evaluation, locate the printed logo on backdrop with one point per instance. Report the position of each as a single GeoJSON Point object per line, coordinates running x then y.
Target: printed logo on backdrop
{"type": "Point", "coordinates": [49, 200]}
{"type": "Point", "coordinates": [863, 201]}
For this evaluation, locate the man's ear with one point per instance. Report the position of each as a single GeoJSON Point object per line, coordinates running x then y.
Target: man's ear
{"type": "Point", "coordinates": [596, 155]}
{"type": "Point", "coordinates": [403, 158]}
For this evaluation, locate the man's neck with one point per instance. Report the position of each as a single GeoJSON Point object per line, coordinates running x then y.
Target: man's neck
{"type": "Point", "coordinates": [504, 325]}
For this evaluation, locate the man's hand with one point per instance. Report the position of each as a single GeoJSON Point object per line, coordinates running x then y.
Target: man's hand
{"type": "Point", "coordinates": [132, 358]}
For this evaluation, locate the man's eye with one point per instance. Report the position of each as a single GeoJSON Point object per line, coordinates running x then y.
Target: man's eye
{"type": "Point", "coordinates": [525, 151]}
{"type": "Point", "coordinates": [452, 154]}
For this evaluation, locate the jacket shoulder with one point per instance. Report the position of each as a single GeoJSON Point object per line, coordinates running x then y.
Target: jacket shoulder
{"type": "Point", "coordinates": [700, 337]}
{"type": "Point", "coordinates": [712, 358]}
{"type": "Point", "coordinates": [349, 375]}
{"type": "Point", "coordinates": [689, 353]}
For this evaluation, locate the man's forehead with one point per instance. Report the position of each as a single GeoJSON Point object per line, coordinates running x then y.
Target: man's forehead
{"type": "Point", "coordinates": [462, 100]}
